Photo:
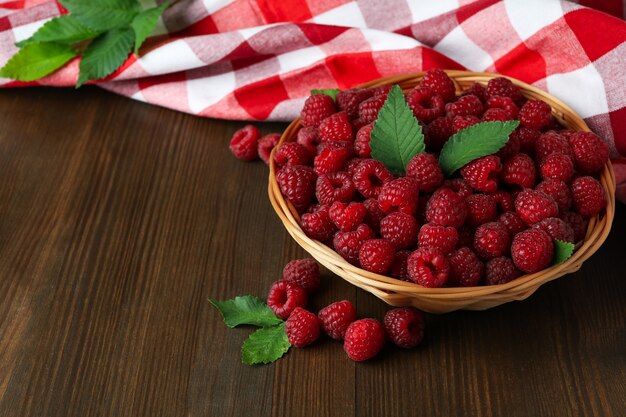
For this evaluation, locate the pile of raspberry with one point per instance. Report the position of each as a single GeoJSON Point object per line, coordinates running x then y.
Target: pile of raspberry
{"type": "Point", "coordinates": [362, 339]}
{"type": "Point", "coordinates": [494, 220]}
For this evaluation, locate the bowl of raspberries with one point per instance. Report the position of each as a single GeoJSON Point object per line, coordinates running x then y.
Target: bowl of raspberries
{"type": "Point", "coordinates": [443, 190]}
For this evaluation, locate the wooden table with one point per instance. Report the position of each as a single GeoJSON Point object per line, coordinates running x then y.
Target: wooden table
{"type": "Point", "coordinates": [119, 219]}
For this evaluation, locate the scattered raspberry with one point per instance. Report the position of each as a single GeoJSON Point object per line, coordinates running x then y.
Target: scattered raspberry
{"type": "Point", "coordinates": [401, 194]}
{"type": "Point", "coordinates": [284, 297]}
{"type": "Point", "coordinates": [297, 184]}
{"type": "Point", "coordinates": [336, 317]}
{"type": "Point", "coordinates": [374, 213]}
{"type": "Point", "coordinates": [552, 142]}
{"type": "Point", "coordinates": [266, 144]}
{"type": "Point", "coordinates": [368, 109]}
{"type": "Point", "coordinates": [426, 171]}
{"type": "Point", "coordinates": [376, 255]}
{"type": "Point", "coordinates": [558, 190]}
{"type": "Point", "coordinates": [533, 206]}
{"type": "Point", "coordinates": [317, 225]}
{"type": "Point", "coordinates": [477, 90]}
{"type": "Point", "coordinates": [459, 186]}
{"type": "Point", "coordinates": [495, 115]}
{"type": "Point", "coordinates": [244, 143]}
{"type": "Point", "coordinates": [404, 327]}
{"type": "Point", "coordinates": [557, 166]}
{"type": "Point", "coordinates": [428, 267]}
{"type": "Point", "coordinates": [304, 272]}
{"type": "Point", "coordinates": [437, 132]}
{"type": "Point", "coordinates": [331, 157]}
{"type": "Point", "coordinates": [513, 222]}
{"type": "Point", "coordinates": [291, 154]}
{"type": "Point", "coordinates": [500, 271]}
{"type": "Point", "coordinates": [317, 108]}
{"type": "Point", "coordinates": [399, 267]}
{"type": "Point", "coordinates": [589, 196]}
{"type": "Point", "coordinates": [362, 141]}
{"type": "Point", "coordinates": [510, 149]}
{"type": "Point", "coordinates": [504, 201]}
{"type": "Point", "coordinates": [443, 238]}
{"type": "Point", "coordinates": [364, 339]}
{"type": "Point", "coordinates": [348, 244]}
{"type": "Point", "coordinates": [482, 173]}
{"type": "Point", "coordinates": [557, 229]}
{"type": "Point", "coordinates": [336, 127]}
{"type": "Point", "coordinates": [465, 268]}
{"type": "Point", "coordinates": [463, 122]}
{"type": "Point", "coordinates": [400, 229]}
{"type": "Point", "coordinates": [577, 223]}
{"type": "Point", "coordinates": [590, 152]}
{"type": "Point", "coordinates": [503, 103]}
{"type": "Point", "coordinates": [492, 240]}
{"type": "Point", "coordinates": [446, 208]}
{"type": "Point", "coordinates": [532, 250]}
{"type": "Point", "coordinates": [481, 208]}
{"type": "Point", "coordinates": [336, 186]}
{"type": "Point", "coordinates": [527, 139]}
{"type": "Point", "coordinates": [309, 138]}
{"type": "Point", "coordinates": [535, 114]}
{"type": "Point", "coordinates": [440, 83]}
{"type": "Point", "coordinates": [302, 327]}
{"type": "Point", "coordinates": [519, 170]}
{"type": "Point", "coordinates": [349, 100]}
{"type": "Point", "coordinates": [347, 216]}
{"type": "Point", "coordinates": [425, 104]}
{"type": "Point", "coordinates": [466, 106]}
{"type": "Point", "coordinates": [370, 176]}
{"type": "Point", "coordinates": [503, 87]}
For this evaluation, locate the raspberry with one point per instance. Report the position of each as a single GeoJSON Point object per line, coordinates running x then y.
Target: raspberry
{"type": "Point", "coordinates": [557, 229]}
{"type": "Point", "coordinates": [446, 208]}
{"type": "Point", "coordinates": [349, 100]}
{"type": "Point", "coordinates": [466, 236]}
{"type": "Point", "coordinates": [466, 106]}
{"type": "Point", "coordinates": [399, 267]}
{"type": "Point", "coordinates": [443, 238]}
{"type": "Point", "coordinates": [317, 225]}
{"type": "Point", "coordinates": [425, 104]}
{"type": "Point", "coordinates": [370, 176]}
{"type": "Point", "coordinates": [309, 138]}
{"type": "Point", "coordinates": [459, 186]}
{"type": "Point", "coordinates": [500, 271]}
{"type": "Point", "coordinates": [348, 244]}
{"type": "Point", "coordinates": [297, 184]}
{"type": "Point", "coordinates": [503, 103]}
{"type": "Point", "coordinates": [510, 149]}
{"type": "Point", "coordinates": [577, 223]}
{"type": "Point", "coordinates": [266, 144]}
{"type": "Point", "coordinates": [400, 229]}
{"type": "Point", "coordinates": [527, 139]}
{"type": "Point", "coordinates": [495, 115]}
{"type": "Point", "coordinates": [381, 91]}
{"type": "Point", "coordinates": [482, 173]}
{"type": "Point", "coordinates": [590, 152]}
{"type": "Point", "coordinates": [291, 154]}
{"type": "Point", "coordinates": [532, 250]}
{"type": "Point", "coordinates": [364, 339]}
{"type": "Point", "coordinates": [519, 170]}
{"type": "Point", "coordinates": [589, 197]}
{"type": "Point", "coordinates": [401, 193]}
{"type": "Point", "coordinates": [404, 327]}
{"type": "Point", "coordinates": [440, 83]}
{"type": "Point", "coordinates": [557, 166]}
{"type": "Point", "coordinates": [437, 132]}
{"type": "Point", "coordinates": [426, 171]}
{"type": "Point", "coordinates": [352, 164]}
{"type": "Point", "coordinates": [284, 297]}
{"type": "Point", "coordinates": [336, 186]}
{"type": "Point", "coordinates": [535, 114]}
{"type": "Point", "coordinates": [552, 142]}
{"type": "Point", "coordinates": [347, 216]}
{"type": "Point", "coordinates": [244, 143]}
{"type": "Point", "coordinates": [428, 267]}
{"type": "Point", "coordinates": [503, 200]}
{"type": "Point", "coordinates": [533, 206]}
{"type": "Point", "coordinates": [357, 124]}
{"type": "Point", "coordinates": [503, 87]}
{"type": "Point", "coordinates": [492, 240]}
{"type": "Point", "coordinates": [336, 127]}
{"type": "Point", "coordinates": [316, 108]}
{"type": "Point", "coordinates": [558, 190]}
{"type": "Point", "coordinates": [513, 222]}
{"type": "Point", "coordinates": [362, 141]}
{"type": "Point", "coordinates": [304, 272]}
{"type": "Point", "coordinates": [331, 157]}
{"type": "Point", "coordinates": [368, 109]}
{"type": "Point", "coordinates": [374, 213]}
{"type": "Point", "coordinates": [463, 122]}
{"type": "Point", "coordinates": [466, 269]}
{"type": "Point", "coordinates": [481, 208]}
{"type": "Point", "coordinates": [302, 327]}
{"type": "Point", "coordinates": [376, 255]}
{"type": "Point", "coordinates": [336, 317]}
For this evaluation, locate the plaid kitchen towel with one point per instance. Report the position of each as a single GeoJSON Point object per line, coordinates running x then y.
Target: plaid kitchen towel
{"type": "Point", "coordinates": [258, 59]}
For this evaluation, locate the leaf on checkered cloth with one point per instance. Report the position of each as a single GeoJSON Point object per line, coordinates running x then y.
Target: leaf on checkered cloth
{"type": "Point", "coordinates": [63, 29]}
{"type": "Point", "coordinates": [37, 60]}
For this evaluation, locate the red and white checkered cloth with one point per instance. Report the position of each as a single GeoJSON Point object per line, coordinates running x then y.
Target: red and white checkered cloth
{"type": "Point", "coordinates": [258, 59]}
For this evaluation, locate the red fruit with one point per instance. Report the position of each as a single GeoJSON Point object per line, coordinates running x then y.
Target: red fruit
{"type": "Point", "coordinates": [332, 157]}
{"type": "Point", "coordinates": [400, 229]}
{"type": "Point", "coordinates": [336, 127]}
{"type": "Point", "coordinates": [376, 255]}
{"type": "Point", "coordinates": [477, 90]}
{"type": "Point", "coordinates": [336, 186]}
{"type": "Point", "coordinates": [552, 142]}
{"type": "Point", "coordinates": [284, 297]}
{"type": "Point", "coordinates": [532, 250]}
{"type": "Point", "coordinates": [352, 164]}
{"type": "Point", "coordinates": [302, 327]}
{"type": "Point", "coordinates": [349, 100]}
{"type": "Point", "coordinates": [535, 114]}
{"type": "Point", "coordinates": [316, 108]}
{"type": "Point", "coordinates": [348, 244]}
{"type": "Point", "coordinates": [304, 272]}
{"type": "Point", "coordinates": [425, 169]}
{"type": "Point", "coordinates": [527, 139]}
{"type": "Point", "coordinates": [500, 271]}
{"type": "Point", "coordinates": [437, 132]}
{"type": "Point", "coordinates": [513, 222]}
{"type": "Point", "coordinates": [589, 196]}
{"type": "Point", "coordinates": [558, 190]}
{"type": "Point", "coordinates": [501, 86]}
{"type": "Point", "coordinates": [459, 186]}
{"type": "Point", "coordinates": [466, 269]}
{"type": "Point", "coordinates": [443, 238]}
{"type": "Point", "coordinates": [374, 213]}
{"type": "Point", "coordinates": [440, 83]}
{"type": "Point", "coordinates": [404, 327]}
{"type": "Point", "coordinates": [482, 173]}
{"type": "Point", "coordinates": [244, 143]}
{"type": "Point", "coordinates": [368, 109]}
{"type": "Point", "coordinates": [309, 138]}
{"type": "Point", "coordinates": [492, 240]}
{"type": "Point", "coordinates": [577, 223]}
{"type": "Point", "coordinates": [557, 229]}
{"type": "Point", "coordinates": [364, 339]}
{"type": "Point", "coordinates": [466, 106]}
{"type": "Point", "coordinates": [370, 176]}
{"type": "Point", "coordinates": [425, 104]}
{"type": "Point", "coordinates": [347, 216]}
{"type": "Point", "coordinates": [533, 206]}
{"type": "Point", "coordinates": [481, 208]}
{"type": "Point", "coordinates": [557, 166]}
{"type": "Point", "coordinates": [336, 317]}
{"type": "Point", "coordinates": [297, 184]}
{"type": "Point", "coordinates": [317, 225]}
{"type": "Point", "coordinates": [590, 152]}
{"type": "Point", "coordinates": [362, 141]}
{"type": "Point", "coordinates": [428, 267]}
{"type": "Point", "coordinates": [519, 170]}
{"type": "Point", "coordinates": [399, 267]}
{"type": "Point", "coordinates": [381, 91]}
{"type": "Point", "coordinates": [291, 154]}
{"type": "Point", "coordinates": [510, 149]}
{"type": "Point", "coordinates": [495, 115]}
{"type": "Point", "coordinates": [401, 194]}
{"type": "Point", "coordinates": [503, 103]}
{"type": "Point", "coordinates": [504, 201]}
{"type": "Point", "coordinates": [446, 208]}
{"type": "Point", "coordinates": [463, 122]}
{"type": "Point", "coordinates": [266, 144]}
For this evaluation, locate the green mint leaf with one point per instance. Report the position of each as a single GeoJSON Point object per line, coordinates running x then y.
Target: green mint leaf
{"type": "Point", "coordinates": [265, 345]}
{"type": "Point", "coordinates": [63, 29]}
{"type": "Point", "coordinates": [143, 24]}
{"type": "Point", "coordinates": [37, 60]}
{"type": "Point", "coordinates": [332, 92]}
{"type": "Point", "coordinates": [562, 251]}
{"type": "Point", "coordinates": [101, 15]}
{"type": "Point", "coordinates": [105, 54]}
{"type": "Point", "coordinates": [474, 142]}
{"type": "Point", "coordinates": [397, 136]}
{"type": "Point", "coordinates": [246, 310]}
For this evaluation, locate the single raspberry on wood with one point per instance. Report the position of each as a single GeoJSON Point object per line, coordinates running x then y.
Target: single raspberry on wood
{"type": "Point", "coordinates": [446, 208]}
{"type": "Point", "coordinates": [336, 186]}
{"type": "Point", "coordinates": [362, 141]}
{"type": "Point", "coordinates": [317, 108]}
{"type": "Point", "coordinates": [332, 157]}
{"type": "Point", "coordinates": [425, 168]}
{"type": "Point", "coordinates": [317, 225]}
{"type": "Point", "coordinates": [336, 127]}
{"type": "Point", "coordinates": [500, 271]}
{"type": "Point", "coordinates": [533, 206]}
{"type": "Point", "coordinates": [349, 100]}
{"type": "Point", "coordinates": [364, 339]}
{"type": "Point", "coordinates": [309, 138]}
{"type": "Point", "coordinates": [437, 132]}
{"type": "Point", "coordinates": [426, 104]}
{"type": "Point", "coordinates": [535, 114]}
{"type": "Point", "coordinates": [404, 326]}
{"type": "Point", "coordinates": [443, 238]}
{"type": "Point", "coordinates": [399, 266]}
{"type": "Point", "coordinates": [503, 103]}
{"type": "Point", "coordinates": [302, 327]}
{"type": "Point", "coordinates": [503, 87]}
{"type": "Point", "coordinates": [492, 240]}
{"type": "Point", "coordinates": [284, 297]}
{"type": "Point", "coordinates": [376, 255]}
{"type": "Point", "coordinates": [466, 106]}
{"type": "Point", "coordinates": [368, 109]}
{"type": "Point", "coordinates": [297, 183]}
{"type": "Point", "coordinates": [304, 272]}
{"type": "Point", "coordinates": [504, 201]}
{"type": "Point", "coordinates": [590, 152]}
{"type": "Point", "coordinates": [244, 143]}
{"type": "Point", "coordinates": [374, 213]}
{"type": "Point", "coordinates": [440, 83]}
{"type": "Point", "coordinates": [266, 144]}
{"type": "Point", "coordinates": [532, 250]}
{"type": "Point", "coordinates": [578, 224]}
{"type": "Point", "coordinates": [463, 122]}
{"type": "Point", "coordinates": [291, 154]}
{"type": "Point", "coordinates": [400, 229]}
{"type": "Point", "coordinates": [336, 317]}
{"type": "Point", "coordinates": [347, 216]}
{"type": "Point", "coordinates": [428, 267]}
{"type": "Point", "coordinates": [558, 190]}
{"type": "Point", "coordinates": [550, 143]}
{"type": "Point", "coordinates": [557, 166]}
{"type": "Point", "coordinates": [481, 208]}
{"type": "Point", "coordinates": [483, 173]}
{"type": "Point", "coordinates": [589, 197]}
{"type": "Point", "coordinates": [527, 139]}
{"type": "Point", "coordinates": [466, 269]}
{"type": "Point", "coordinates": [557, 229]}
{"type": "Point", "coordinates": [370, 176]}
{"type": "Point", "coordinates": [399, 194]}
{"type": "Point", "coordinates": [348, 244]}
{"type": "Point", "coordinates": [513, 222]}
{"type": "Point", "coordinates": [519, 170]}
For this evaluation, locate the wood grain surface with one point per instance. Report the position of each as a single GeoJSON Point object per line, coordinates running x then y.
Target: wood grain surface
{"type": "Point", "coordinates": [119, 219]}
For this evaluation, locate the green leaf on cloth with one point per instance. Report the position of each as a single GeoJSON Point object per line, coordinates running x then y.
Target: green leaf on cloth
{"type": "Point", "coordinates": [63, 29]}
{"type": "Point", "coordinates": [246, 310]}
{"type": "Point", "coordinates": [101, 15]}
{"type": "Point", "coordinates": [105, 54]}
{"type": "Point", "coordinates": [37, 60]}
{"type": "Point", "coordinates": [144, 23]}
{"type": "Point", "coordinates": [265, 345]}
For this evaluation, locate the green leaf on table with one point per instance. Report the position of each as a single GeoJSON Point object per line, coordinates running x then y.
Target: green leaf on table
{"type": "Point", "coordinates": [144, 23]}
{"type": "Point", "coordinates": [562, 251]}
{"type": "Point", "coordinates": [105, 54]}
{"type": "Point", "coordinates": [265, 345]}
{"type": "Point", "coordinates": [246, 310]}
{"type": "Point", "coordinates": [101, 15]}
{"type": "Point", "coordinates": [332, 92]}
{"type": "Point", "coordinates": [474, 142]}
{"type": "Point", "coordinates": [397, 136]}
{"type": "Point", "coordinates": [63, 29]}
{"type": "Point", "coordinates": [37, 60]}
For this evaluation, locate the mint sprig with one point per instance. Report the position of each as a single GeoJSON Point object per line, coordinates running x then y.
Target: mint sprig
{"type": "Point", "coordinates": [332, 92]}
{"type": "Point", "coordinates": [103, 14]}
{"type": "Point", "coordinates": [66, 30]}
{"type": "Point", "coordinates": [562, 251]}
{"type": "Point", "coordinates": [266, 345]}
{"type": "Point", "coordinates": [246, 310]}
{"type": "Point", "coordinates": [37, 60]}
{"type": "Point", "coordinates": [397, 136]}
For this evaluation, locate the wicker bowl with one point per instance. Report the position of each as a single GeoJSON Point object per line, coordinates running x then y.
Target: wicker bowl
{"type": "Point", "coordinates": [441, 300]}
